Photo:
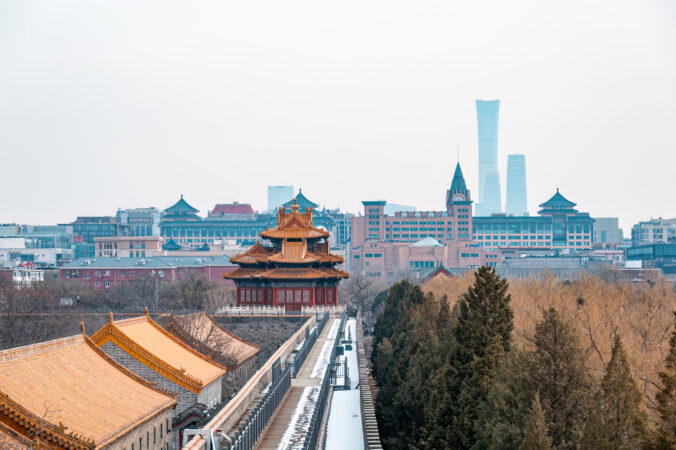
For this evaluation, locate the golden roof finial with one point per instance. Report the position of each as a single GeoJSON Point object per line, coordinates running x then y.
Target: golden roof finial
{"type": "Point", "coordinates": [82, 330]}
{"type": "Point", "coordinates": [146, 311]}
{"type": "Point", "coordinates": [110, 317]}
{"type": "Point", "coordinates": [294, 205]}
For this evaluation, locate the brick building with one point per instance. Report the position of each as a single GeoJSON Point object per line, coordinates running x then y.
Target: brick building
{"type": "Point", "coordinates": [385, 245]}
{"type": "Point", "coordinates": [106, 273]}
{"type": "Point", "coordinates": [78, 398]}
{"type": "Point", "coordinates": [154, 354]}
{"type": "Point", "coordinates": [128, 246]}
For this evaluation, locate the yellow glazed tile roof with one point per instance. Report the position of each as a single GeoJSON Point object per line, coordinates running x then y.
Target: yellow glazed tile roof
{"type": "Point", "coordinates": [10, 440]}
{"type": "Point", "coordinates": [71, 382]}
{"type": "Point", "coordinates": [204, 329]}
{"type": "Point", "coordinates": [161, 351]}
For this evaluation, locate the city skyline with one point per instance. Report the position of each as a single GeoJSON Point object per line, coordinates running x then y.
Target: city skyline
{"type": "Point", "coordinates": [137, 119]}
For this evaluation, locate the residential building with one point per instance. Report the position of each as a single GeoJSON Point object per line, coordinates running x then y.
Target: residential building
{"type": "Point", "coordinates": [517, 197]}
{"type": "Point", "coordinates": [653, 231]}
{"type": "Point", "coordinates": [278, 195]}
{"type": "Point", "coordinates": [487, 113]}
{"type": "Point", "coordinates": [157, 356]}
{"type": "Point", "coordinates": [24, 274]}
{"type": "Point", "coordinates": [107, 273]}
{"type": "Point", "coordinates": [297, 270]}
{"type": "Point", "coordinates": [128, 246]}
{"type": "Point", "coordinates": [79, 398]}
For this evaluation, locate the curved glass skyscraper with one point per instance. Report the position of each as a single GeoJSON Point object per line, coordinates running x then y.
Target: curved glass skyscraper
{"type": "Point", "coordinates": [490, 201]}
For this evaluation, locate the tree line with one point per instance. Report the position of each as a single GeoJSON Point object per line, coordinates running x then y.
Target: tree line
{"type": "Point", "coordinates": [31, 314]}
{"type": "Point", "coordinates": [455, 373]}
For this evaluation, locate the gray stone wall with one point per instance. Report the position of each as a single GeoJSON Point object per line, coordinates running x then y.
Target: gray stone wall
{"type": "Point", "coordinates": [185, 397]}
{"type": "Point", "coordinates": [151, 435]}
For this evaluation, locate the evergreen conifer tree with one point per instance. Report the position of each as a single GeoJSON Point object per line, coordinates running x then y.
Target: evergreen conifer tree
{"type": "Point", "coordinates": [666, 398]}
{"type": "Point", "coordinates": [557, 371]}
{"type": "Point", "coordinates": [535, 433]}
{"type": "Point", "coordinates": [482, 336]}
{"type": "Point", "coordinates": [617, 420]}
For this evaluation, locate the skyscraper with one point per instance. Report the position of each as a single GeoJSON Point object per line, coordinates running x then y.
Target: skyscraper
{"type": "Point", "coordinates": [517, 200]}
{"type": "Point", "coordinates": [278, 195]}
{"type": "Point", "coordinates": [490, 202]}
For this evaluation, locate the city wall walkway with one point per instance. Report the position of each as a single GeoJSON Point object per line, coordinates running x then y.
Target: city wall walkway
{"type": "Point", "coordinates": [272, 436]}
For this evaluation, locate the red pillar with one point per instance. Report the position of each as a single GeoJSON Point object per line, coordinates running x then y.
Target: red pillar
{"type": "Point", "coordinates": [312, 295]}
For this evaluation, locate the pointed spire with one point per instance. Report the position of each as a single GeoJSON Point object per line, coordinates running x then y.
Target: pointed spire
{"type": "Point", "coordinates": [146, 311]}
{"type": "Point", "coordinates": [110, 317]}
{"type": "Point", "coordinates": [458, 183]}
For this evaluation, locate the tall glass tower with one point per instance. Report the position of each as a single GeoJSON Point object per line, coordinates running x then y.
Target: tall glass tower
{"type": "Point", "coordinates": [517, 203]}
{"type": "Point", "coordinates": [490, 202]}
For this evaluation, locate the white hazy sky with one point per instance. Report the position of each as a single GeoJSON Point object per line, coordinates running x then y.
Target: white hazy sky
{"type": "Point", "coordinates": [107, 104]}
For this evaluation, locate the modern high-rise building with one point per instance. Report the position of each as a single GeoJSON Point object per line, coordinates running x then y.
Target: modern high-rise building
{"type": "Point", "coordinates": [492, 203]}
{"type": "Point", "coordinates": [517, 200]}
{"type": "Point", "coordinates": [278, 195]}
{"type": "Point", "coordinates": [487, 112]}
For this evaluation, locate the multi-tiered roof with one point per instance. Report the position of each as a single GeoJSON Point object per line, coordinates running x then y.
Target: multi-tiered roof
{"type": "Point", "coordinates": [298, 251]}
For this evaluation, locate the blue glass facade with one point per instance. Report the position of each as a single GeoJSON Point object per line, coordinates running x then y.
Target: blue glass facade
{"type": "Point", "coordinates": [487, 112]}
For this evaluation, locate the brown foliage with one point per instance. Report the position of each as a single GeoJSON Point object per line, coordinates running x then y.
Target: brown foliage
{"type": "Point", "coordinates": [598, 309]}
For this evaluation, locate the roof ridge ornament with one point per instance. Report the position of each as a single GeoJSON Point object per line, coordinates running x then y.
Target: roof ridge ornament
{"type": "Point", "coordinates": [82, 328]}
{"type": "Point", "coordinates": [146, 311]}
{"type": "Point", "coordinates": [110, 317]}
{"type": "Point", "coordinates": [294, 205]}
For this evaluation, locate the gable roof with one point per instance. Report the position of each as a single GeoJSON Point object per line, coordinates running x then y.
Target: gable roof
{"type": "Point", "coordinates": [58, 386]}
{"type": "Point", "coordinates": [161, 351]}
{"type": "Point", "coordinates": [202, 328]}
{"type": "Point", "coordinates": [181, 207]}
{"type": "Point", "coordinates": [440, 270]}
{"type": "Point", "coordinates": [558, 201]}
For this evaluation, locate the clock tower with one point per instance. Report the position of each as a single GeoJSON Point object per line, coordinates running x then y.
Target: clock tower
{"type": "Point", "coordinates": [459, 206]}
